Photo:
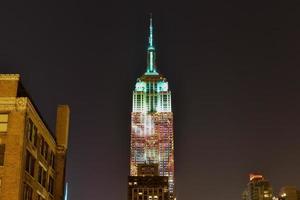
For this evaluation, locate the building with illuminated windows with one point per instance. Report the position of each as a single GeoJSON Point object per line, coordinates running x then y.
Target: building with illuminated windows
{"type": "Point", "coordinates": [32, 159]}
{"type": "Point", "coordinates": [289, 193]}
{"type": "Point", "coordinates": [258, 188]}
{"type": "Point", "coordinates": [148, 185]}
{"type": "Point", "coordinates": [152, 138]}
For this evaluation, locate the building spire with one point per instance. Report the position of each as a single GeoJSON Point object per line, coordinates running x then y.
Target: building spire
{"type": "Point", "coordinates": [150, 45]}
{"type": "Point", "coordinates": [151, 65]}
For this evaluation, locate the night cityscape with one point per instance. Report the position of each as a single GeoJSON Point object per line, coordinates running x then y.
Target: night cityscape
{"type": "Point", "coordinates": [137, 100]}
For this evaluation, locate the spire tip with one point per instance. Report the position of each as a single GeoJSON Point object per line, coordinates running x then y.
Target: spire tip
{"type": "Point", "coordinates": [151, 68]}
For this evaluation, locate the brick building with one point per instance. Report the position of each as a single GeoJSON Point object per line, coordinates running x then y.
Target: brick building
{"type": "Point", "coordinates": [32, 159]}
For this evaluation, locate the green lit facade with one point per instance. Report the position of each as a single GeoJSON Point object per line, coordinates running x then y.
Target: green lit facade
{"type": "Point", "coordinates": [152, 138]}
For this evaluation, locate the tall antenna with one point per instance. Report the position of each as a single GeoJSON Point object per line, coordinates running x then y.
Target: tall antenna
{"type": "Point", "coordinates": [150, 33]}
{"type": "Point", "coordinates": [151, 65]}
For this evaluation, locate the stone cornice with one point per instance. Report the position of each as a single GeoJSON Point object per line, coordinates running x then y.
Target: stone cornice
{"type": "Point", "coordinates": [6, 77]}
{"type": "Point", "coordinates": [24, 104]}
{"type": "Point", "coordinates": [21, 103]}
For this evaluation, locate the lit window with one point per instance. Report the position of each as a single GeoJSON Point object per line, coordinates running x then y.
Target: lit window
{"type": "Point", "coordinates": [3, 123]}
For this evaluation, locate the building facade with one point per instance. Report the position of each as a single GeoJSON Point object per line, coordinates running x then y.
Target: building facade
{"type": "Point", "coordinates": [152, 136]}
{"type": "Point", "coordinates": [258, 188]}
{"type": "Point", "coordinates": [289, 193]}
{"type": "Point", "coordinates": [148, 185]}
{"type": "Point", "coordinates": [32, 159]}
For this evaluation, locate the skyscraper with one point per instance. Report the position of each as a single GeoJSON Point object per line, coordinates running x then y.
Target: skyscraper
{"type": "Point", "coordinates": [152, 139]}
{"type": "Point", "coordinates": [258, 188]}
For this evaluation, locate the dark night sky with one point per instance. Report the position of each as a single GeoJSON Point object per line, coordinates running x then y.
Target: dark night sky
{"type": "Point", "coordinates": [233, 68]}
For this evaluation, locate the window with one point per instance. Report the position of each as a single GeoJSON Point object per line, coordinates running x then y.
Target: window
{"type": "Point", "coordinates": [29, 128]}
{"type": "Point", "coordinates": [42, 145]}
{"type": "Point", "coordinates": [42, 176]}
{"type": "Point", "coordinates": [52, 159]}
{"type": "Point", "coordinates": [2, 153]}
{"type": "Point", "coordinates": [27, 195]}
{"type": "Point", "coordinates": [34, 137]}
{"type": "Point", "coordinates": [3, 123]}
{"type": "Point", "coordinates": [44, 148]}
{"type": "Point", "coordinates": [32, 132]}
{"type": "Point", "coordinates": [51, 185]}
{"type": "Point", "coordinates": [30, 163]}
{"type": "Point", "coordinates": [40, 197]}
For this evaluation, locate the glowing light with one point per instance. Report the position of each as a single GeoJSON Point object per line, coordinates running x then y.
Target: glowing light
{"type": "Point", "coordinates": [140, 86]}
{"type": "Point", "coordinates": [255, 176]}
{"type": "Point", "coordinates": [66, 192]}
{"type": "Point", "coordinates": [152, 128]}
{"type": "Point", "coordinates": [283, 195]}
{"type": "Point", "coordinates": [151, 52]}
{"type": "Point", "coordinates": [152, 121]}
{"type": "Point", "coordinates": [162, 86]}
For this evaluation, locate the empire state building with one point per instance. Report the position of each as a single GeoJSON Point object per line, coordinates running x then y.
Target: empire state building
{"type": "Point", "coordinates": [152, 135]}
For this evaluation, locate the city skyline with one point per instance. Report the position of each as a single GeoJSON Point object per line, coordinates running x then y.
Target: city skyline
{"type": "Point", "coordinates": [233, 68]}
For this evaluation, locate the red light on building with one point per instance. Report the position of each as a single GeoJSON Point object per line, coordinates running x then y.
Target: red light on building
{"type": "Point", "coordinates": [255, 176]}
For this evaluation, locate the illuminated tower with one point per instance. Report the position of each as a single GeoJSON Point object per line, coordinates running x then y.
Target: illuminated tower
{"type": "Point", "coordinates": [258, 188]}
{"type": "Point", "coordinates": [152, 139]}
